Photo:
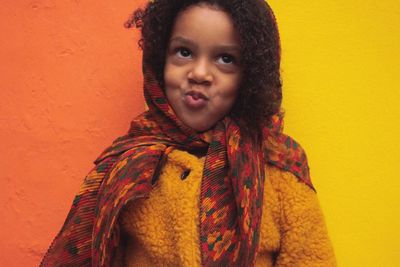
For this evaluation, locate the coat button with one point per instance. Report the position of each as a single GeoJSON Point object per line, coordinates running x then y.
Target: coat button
{"type": "Point", "coordinates": [185, 174]}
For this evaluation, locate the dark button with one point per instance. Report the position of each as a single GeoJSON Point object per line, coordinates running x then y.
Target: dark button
{"type": "Point", "coordinates": [185, 174]}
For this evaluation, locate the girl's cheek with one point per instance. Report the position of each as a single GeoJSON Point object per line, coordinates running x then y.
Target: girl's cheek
{"type": "Point", "coordinates": [171, 77]}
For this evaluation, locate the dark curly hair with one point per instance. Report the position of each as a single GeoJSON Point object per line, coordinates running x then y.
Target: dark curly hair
{"type": "Point", "coordinates": [260, 92]}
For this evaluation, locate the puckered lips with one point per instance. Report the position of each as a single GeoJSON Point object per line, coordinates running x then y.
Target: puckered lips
{"type": "Point", "coordinates": [195, 99]}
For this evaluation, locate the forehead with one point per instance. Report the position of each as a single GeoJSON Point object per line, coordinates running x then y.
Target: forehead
{"type": "Point", "coordinates": [205, 23]}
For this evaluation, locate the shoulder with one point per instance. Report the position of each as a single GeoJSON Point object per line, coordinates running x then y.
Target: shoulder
{"type": "Point", "coordinates": [287, 154]}
{"type": "Point", "coordinates": [295, 198]}
{"type": "Point", "coordinates": [285, 181]}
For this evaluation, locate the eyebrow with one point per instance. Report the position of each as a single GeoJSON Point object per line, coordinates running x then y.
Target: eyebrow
{"type": "Point", "coordinates": [189, 42]}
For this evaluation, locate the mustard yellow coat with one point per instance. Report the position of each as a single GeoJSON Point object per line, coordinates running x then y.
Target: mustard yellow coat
{"type": "Point", "coordinates": [163, 230]}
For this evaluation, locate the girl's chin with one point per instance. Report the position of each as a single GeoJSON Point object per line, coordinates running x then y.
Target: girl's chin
{"type": "Point", "coordinates": [199, 127]}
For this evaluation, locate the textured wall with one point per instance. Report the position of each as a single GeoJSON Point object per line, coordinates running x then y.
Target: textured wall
{"type": "Point", "coordinates": [69, 85]}
{"type": "Point", "coordinates": [342, 94]}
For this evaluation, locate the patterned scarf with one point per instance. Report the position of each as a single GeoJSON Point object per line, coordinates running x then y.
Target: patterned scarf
{"type": "Point", "coordinates": [231, 188]}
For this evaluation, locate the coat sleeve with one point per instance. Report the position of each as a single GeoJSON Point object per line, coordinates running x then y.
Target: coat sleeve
{"type": "Point", "coordinates": [304, 236]}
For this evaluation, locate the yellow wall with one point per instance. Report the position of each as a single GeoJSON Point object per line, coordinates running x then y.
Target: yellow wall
{"type": "Point", "coordinates": [341, 79]}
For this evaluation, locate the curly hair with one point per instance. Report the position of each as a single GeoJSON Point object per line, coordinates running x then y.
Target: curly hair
{"type": "Point", "coordinates": [260, 91]}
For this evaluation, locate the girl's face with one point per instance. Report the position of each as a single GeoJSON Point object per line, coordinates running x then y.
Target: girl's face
{"type": "Point", "coordinates": [202, 71]}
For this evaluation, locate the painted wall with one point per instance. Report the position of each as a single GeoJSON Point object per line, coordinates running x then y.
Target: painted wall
{"type": "Point", "coordinates": [69, 85]}
{"type": "Point", "coordinates": [341, 77]}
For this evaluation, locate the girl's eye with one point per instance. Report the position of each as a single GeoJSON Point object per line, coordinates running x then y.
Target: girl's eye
{"type": "Point", "coordinates": [183, 52]}
{"type": "Point", "coordinates": [226, 59]}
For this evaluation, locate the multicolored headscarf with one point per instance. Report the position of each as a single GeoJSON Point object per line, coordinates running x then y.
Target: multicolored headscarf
{"type": "Point", "coordinates": [231, 190]}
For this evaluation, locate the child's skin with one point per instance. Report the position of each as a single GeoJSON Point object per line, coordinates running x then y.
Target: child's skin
{"type": "Point", "coordinates": [202, 72]}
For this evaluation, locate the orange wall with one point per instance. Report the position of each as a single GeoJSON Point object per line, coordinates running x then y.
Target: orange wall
{"type": "Point", "coordinates": [69, 85]}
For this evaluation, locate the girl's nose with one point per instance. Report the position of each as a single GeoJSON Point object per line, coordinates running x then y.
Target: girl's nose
{"type": "Point", "coordinates": [201, 72]}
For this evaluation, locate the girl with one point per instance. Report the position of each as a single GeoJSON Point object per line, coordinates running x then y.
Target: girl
{"type": "Point", "coordinates": [205, 176]}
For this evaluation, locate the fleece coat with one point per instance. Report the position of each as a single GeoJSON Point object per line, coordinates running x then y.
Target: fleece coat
{"type": "Point", "coordinates": [163, 229]}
